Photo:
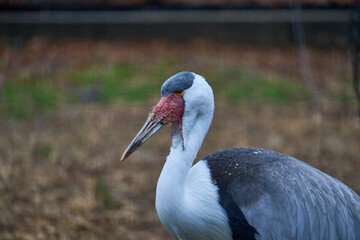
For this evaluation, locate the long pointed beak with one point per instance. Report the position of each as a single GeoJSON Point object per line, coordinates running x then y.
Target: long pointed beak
{"type": "Point", "coordinates": [150, 127]}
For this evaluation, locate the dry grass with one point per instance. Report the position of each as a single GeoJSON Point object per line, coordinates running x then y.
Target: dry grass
{"type": "Point", "coordinates": [60, 174]}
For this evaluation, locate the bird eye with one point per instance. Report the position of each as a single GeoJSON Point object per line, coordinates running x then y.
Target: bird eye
{"type": "Point", "coordinates": [179, 93]}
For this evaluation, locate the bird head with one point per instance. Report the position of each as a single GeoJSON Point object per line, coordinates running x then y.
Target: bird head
{"type": "Point", "coordinates": [178, 95]}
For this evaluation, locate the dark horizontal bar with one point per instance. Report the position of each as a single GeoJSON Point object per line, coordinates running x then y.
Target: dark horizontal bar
{"type": "Point", "coordinates": [171, 16]}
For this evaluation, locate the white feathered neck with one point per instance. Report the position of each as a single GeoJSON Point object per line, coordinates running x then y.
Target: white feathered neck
{"type": "Point", "coordinates": [186, 199]}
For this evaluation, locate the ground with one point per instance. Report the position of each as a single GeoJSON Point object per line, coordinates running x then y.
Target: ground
{"type": "Point", "coordinates": [69, 109]}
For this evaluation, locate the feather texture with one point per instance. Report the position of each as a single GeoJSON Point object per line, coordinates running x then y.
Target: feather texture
{"type": "Point", "coordinates": [285, 198]}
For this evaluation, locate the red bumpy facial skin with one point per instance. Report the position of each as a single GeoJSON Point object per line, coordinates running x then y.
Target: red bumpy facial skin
{"type": "Point", "coordinates": [170, 109]}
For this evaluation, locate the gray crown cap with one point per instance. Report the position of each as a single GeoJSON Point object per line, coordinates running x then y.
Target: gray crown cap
{"type": "Point", "coordinates": [178, 82]}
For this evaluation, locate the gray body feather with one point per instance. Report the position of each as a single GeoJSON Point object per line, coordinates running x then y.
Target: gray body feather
{"type": "Point", "coordinates": [284, 198]}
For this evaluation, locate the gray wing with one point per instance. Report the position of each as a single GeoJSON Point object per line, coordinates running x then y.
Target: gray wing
{"type": "Point", "coordinates": [284, 198]}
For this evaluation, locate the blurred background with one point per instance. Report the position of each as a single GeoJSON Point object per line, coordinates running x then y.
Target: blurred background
{"type": "Point", "coordinates": [77, 79]}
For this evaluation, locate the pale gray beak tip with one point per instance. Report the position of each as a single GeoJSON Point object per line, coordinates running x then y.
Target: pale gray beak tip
{"type": "Point", "coordinates": [123, 157]}
{"type": "Point", "coordinates": [150, 127]}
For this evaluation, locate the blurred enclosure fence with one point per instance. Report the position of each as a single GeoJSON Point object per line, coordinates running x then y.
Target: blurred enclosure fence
{"type": "Point", "coordinates": [77, 81]}
{"type": "Point", "coordinates": [324, 28]}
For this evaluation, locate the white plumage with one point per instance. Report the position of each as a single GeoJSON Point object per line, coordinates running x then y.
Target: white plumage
{"type": "Point", "coordinates": [239, 193]}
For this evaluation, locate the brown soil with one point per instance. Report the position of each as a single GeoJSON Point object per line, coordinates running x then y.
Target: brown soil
{"type": "Point", "coordinates": [51, 165]}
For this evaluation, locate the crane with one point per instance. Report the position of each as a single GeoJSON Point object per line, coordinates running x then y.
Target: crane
{"type": "Point", "coordinates": [242, 193]}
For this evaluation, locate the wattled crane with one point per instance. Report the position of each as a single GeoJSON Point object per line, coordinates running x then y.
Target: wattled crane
{"type": "Point", "coordinates": [242, 193]}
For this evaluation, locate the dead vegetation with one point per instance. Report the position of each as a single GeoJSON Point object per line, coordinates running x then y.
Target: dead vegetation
{"type": "Point", "coordinates": [60, 174]}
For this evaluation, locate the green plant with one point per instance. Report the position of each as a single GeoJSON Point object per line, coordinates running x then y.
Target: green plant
{"type": "Point", "coordinates": [109, 81]}
{"type": "Point", "coordinates": [102, 191]}
{"type": "Point", "coordinates": [244, 85]}
{"type": "Point", "coordinates": [24, 99]}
